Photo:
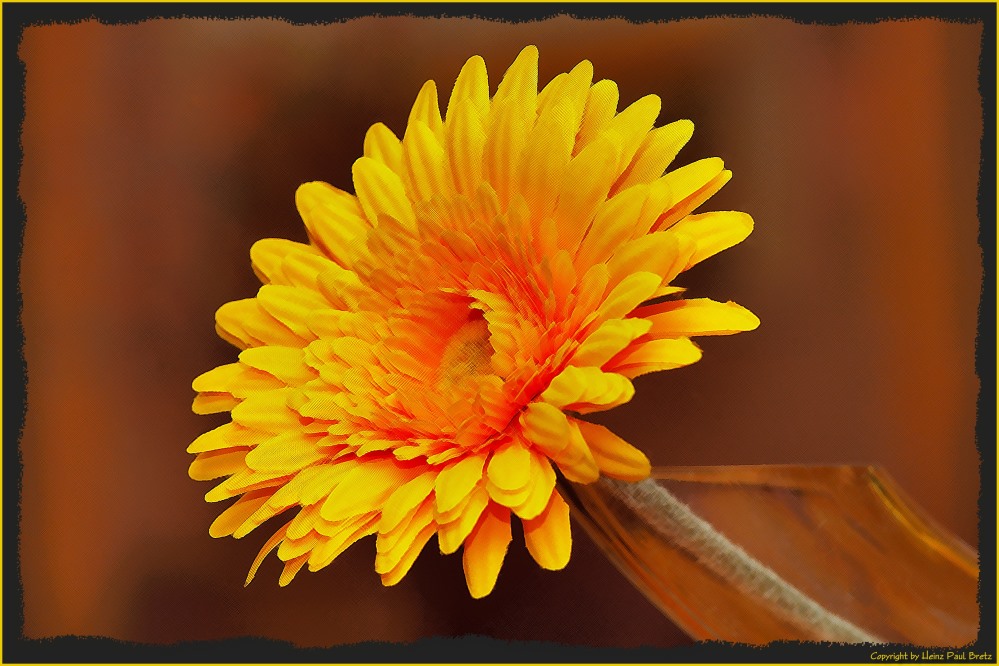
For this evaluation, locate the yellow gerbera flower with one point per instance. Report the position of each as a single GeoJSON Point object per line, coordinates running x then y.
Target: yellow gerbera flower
{"type": "Point", "coordinates": [418, 368]}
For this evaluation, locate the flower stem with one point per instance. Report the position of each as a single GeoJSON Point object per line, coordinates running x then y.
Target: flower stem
{"type": "Point", "coordinates": [675, 521]}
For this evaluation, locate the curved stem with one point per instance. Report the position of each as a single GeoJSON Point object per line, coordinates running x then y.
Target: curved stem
{"type": "Point", "coordinates": [675, 521]}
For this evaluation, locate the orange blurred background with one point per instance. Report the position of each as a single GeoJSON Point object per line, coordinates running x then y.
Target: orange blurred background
{"type": "Point", "coordinates": [156, 153]}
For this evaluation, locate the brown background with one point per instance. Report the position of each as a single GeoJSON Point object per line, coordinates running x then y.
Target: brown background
{"type": "Point", "coordinates": [156, 153]}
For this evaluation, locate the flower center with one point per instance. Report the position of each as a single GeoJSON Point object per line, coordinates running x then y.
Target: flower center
{"type": "Point", "coordinates": [467, 352]}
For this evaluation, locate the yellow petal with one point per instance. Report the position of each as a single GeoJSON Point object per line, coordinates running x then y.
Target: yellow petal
{"type": "Point", "coordinates": [382, 145]}
{"type": "Point", "coordinates": [608, 339]}
{"type": "Point", "coordinates": [291, 568]}
{"type": "Point", "coordinates": [690, 178]}
{"type": "Point", "coordinates": [658, 149]}
{"type": "Point", "coordinates": [601, 105]}
{"type": "Point", "coordinates": [267, 254]}
{"type": "Point", "coordinates": [549, 537]}
{"type": "Point", "coordinates": [349, 533]}
{"type": "Point", "coordinates": [465, 147]}
{"type": "Point", "coordinates": [545, 158]}
{"type": "Point", "coordinates": [456, 481]}
{"type": "Point", "coordinates": [271, 544]}
{"type": "Point", "coordinates": [472, 85]}
{"type": "Point", "coordinates": [285, 363]}
{"type": "Point", "coordinates": [226, 436]}
{"type": "Point", "coordinates": [291, 549]}
{"type": "Point", "coordinates": [451, 534]}
{"type": "Point", "coordinates": [507, 498]}
{"type": "Point", "coordinates": [572, 88]}
{"type": "Point", "coordinates": [613, 224]}
{"type": "Point", "coordinates": [541, 487]}
{"type": "Point", "coordinates": [235, 515]}
{"type": "Point", "coordinates": [286, 452]}
{"type": "Point", "coordinates": [333, 218]}
{"type": "Point", "coordinates": [587, 389]}
{"type": "Point", "coordinates": [548, 429]}
{"type": "Point", "coordinates": [655, 355]}
{"type": "Point", "coordinates": [381, 192]}
{"type": "Point", "coordinates": [246, 320]}
{"type": "Point", "coordinates": [267, 412]}
{"type": "Point", "coordinates": [630, 127]}
{"type": "Point", "coordinates": [697, 316]}
{"type": "Point", "coordinates": [584, 186]}
{"type": "Point", "coordinates": [391, 547]}
{"type": "Point", "coordinates": [405, 500]}
{"type": "Point", "coordinates": [213, 464]}
{"type": "Point", "coordinates": [505, 142]}
{"type": "Point", "coordinates": [590, 291]}
{"type": "Point", "coordinates": [688, 204]}
{"type": "Point", "coordinates": [545, 427]}
{"type": "Point", "coordinates": [406, 560]}
{"type": "Point", "coordinates": [320, 483]}
{"type": "Point", "coordinates": [520, 82]}
{"type": "Point", "coordinates": [577, 462]}
{"type": "Point", "coordinates": [235, 379]}
{"type": "Point", "coordinates": [292, 306]}
{"type": "Point", "coordinates": [213, 403]}
{"type": "Point", "coordinates": [485, 549]}
{"type": "Point", "coordinates": [713, 232]}
{"type": "Point", "coordinates": [510, 466]}
{"type": "Point", "coordinates": [628, 294]}
{"type": "Point", "coordinates": [302, 524]}
{"type": "Point", "coordinates": [425, 163]}
{"type": "Point", "coordinates": [614, 456]}
{"type": "Point", "coordinates": [363, 489]}
{"type": "Point", "coordinates": [426, 110]}
{"type": "Point", "coordinates": [662, 253]}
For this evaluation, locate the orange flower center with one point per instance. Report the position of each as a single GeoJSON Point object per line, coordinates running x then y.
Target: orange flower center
{"type": "Point", "coordinates": [467, 352]}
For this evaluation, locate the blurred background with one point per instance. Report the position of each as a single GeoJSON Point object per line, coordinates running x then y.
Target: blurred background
{"type": "Point", "coordinates": [156, 153]}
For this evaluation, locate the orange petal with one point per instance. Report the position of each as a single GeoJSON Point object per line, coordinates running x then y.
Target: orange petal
{"type": "Point", "coordinates": [549, 537]}
{"type": "Point", "coordinates": [485, 549]}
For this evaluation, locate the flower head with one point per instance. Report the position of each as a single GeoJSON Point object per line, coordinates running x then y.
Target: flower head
{"type": "Point", "coordinates": [421, 367]}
